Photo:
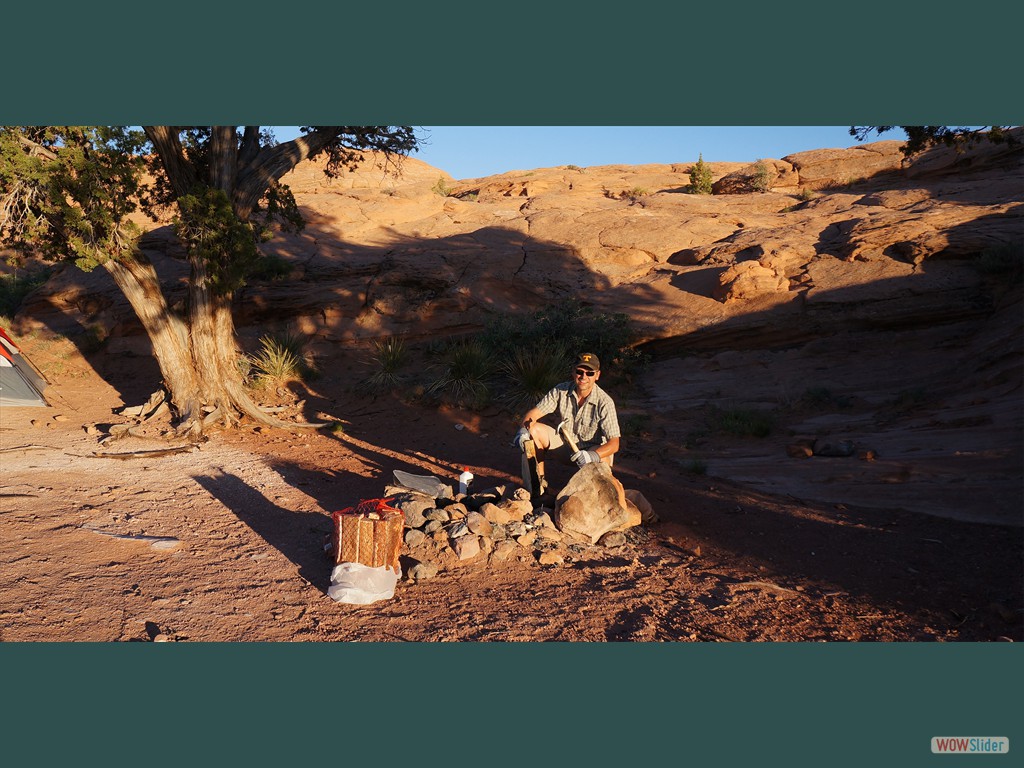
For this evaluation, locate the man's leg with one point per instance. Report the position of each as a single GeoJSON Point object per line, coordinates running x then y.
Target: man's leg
{"type": "Point", "coordinates": [544, 439]}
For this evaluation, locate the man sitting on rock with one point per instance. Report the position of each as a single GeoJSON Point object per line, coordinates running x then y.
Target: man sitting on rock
{"type": "Point", "coordinates": [586, 416]}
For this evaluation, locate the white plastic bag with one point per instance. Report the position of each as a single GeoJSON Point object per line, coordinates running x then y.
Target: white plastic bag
{"type": "Point", "coordinates": [360, 584]}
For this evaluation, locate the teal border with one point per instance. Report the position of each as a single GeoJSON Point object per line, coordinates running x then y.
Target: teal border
{"type": "Point", "coordinates": [793, 62]}
{"type": "Point", "coordinates": [787, 63]}
{"type": "Point", "coordinates": [800, 704]}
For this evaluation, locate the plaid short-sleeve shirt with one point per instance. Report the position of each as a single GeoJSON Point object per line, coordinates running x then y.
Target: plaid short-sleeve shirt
{"type": "Point", "coordinates": [593, 423]}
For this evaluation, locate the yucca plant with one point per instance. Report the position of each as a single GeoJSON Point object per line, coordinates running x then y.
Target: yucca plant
{"type": "Point", "coordinates": [280, 360]}
{"type": "Point", "coordinates": [387, 357]}
{"type": "Point", "coordinates": [465, 370]}
{"type": "Point", "coordinates": [531, 373]}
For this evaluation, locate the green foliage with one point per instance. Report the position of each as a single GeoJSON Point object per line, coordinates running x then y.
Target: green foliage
{"type": "Point", "coordinates": [1004, 263]}
{"type": "Point", "coordinates": [269, 268]}
{"type": "Point", "coordinates": [921, 137]}
{"type": "Point", "coordinates": [819, 397]}
{"type": "Point", "coordinates": [634, 195]}
{"type": "Point", "coordinates": [15, 287]}
{"type": "Point", "coordinates": [280, 360]}
{"type": "Point", "coordinates": [761, 180]}
{"type": "Point", "coordinates": [442, 188]}
{"type": "Point", "coordinates": [216, 238]}
{"type": "Point", "coordinates": [695, 466]}
{"type": "Point", "coordinates": [634, 424]}
{"type": "Point", "coordinates": [387, 358]}
{"type": "Point", "coordinates": [67, 191]}
{"type": "Point", "coordinates": [908, 399]}
{"type": "Point", "coordinates": [701, 177]}
{"type": "Point", "coordinates": [570, 325]}
{"type": "Point", "coordinates": [742, 422]}
{"type": "Point", "coordinates": [465, 368]}
{"type": "Point", "coordinates": [807, 194]}
{"type": "Point", "coordinates": [531, 372]}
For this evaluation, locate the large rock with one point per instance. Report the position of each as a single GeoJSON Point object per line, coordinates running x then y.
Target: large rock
{"type": "Point", "coordinates": [825, 168]}
{"type": "Point", "coordinates": [747, 280]}
{"type": "Point", "coordinates": [779, 173]}
{"type": "Point", "coordinates": [593, 503]}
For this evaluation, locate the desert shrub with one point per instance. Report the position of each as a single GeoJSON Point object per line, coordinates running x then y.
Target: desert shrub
{"type": "Point", "coordinates": [269, 267]}
{"type": "Point", "coordinates": [1003, 262]}
{"type": "Point", "coordinates": [14, 287]}
{"type": "Point", "coordinates": [695, 466]}
{"type": "Point", "coordinates": [531, 372]}
{"type": "Point", "coordinates": [571, 326]}
{"type": "Point", "coordinates": [701, 177]}
{"type": "Point", "coordinates": [465, 369]}
{"type": "Point", "coordinates": [279, 360]}
{"type": "Point", "coordinates": [743, 422]}
{"type": "Point", "coordinates": [807, 194]}
{"type": "Point", "coordinates": [819, 397]}
{"type": "Point", "coordinates": [387, 357]}
{"type": "Point", "coordinates": [634, 424]}
{"type": "Point", "coordinates": [441, 187]}
{"type": "Point", "coordinates": [763, 177]}
{"type": "Point", "coordinates": [90, 339]}
{"type": "Point", "coordinates": [634, 195]}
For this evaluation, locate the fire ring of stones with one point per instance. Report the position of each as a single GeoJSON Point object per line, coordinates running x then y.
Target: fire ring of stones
{"type": "Point", "coordinates": [501, 523]}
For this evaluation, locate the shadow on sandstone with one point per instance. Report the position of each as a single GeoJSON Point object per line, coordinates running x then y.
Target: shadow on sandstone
{"type": "Point", "coordinates": [299, 536]}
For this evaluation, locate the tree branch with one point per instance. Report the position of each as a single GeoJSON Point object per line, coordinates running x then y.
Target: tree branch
{"type": "Point", "coordinates": [180, 172]}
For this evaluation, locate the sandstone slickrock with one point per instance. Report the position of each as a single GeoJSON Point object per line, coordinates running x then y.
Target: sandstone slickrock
{"type": "Point", "coordinates": [592, 503]}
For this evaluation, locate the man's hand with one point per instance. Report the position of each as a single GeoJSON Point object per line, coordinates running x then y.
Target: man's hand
{"type": "Point", "coordinates": [585, 457]}
{"type": "Point", "coordinates": [521, 437]}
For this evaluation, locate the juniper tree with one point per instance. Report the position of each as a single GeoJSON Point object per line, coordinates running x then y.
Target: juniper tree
{"type": "Point", "coordinates": [67, 193]}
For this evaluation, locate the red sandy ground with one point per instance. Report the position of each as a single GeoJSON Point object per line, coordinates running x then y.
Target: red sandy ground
{"type": "Point", "coordinates": [250, 508]}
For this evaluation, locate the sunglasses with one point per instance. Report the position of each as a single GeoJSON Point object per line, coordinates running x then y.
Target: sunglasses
{"type": "Point", "coordinates": [585, 372]}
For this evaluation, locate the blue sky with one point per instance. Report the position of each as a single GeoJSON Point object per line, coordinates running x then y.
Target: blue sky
{"type": "Point", "coordinates": [468, 152]}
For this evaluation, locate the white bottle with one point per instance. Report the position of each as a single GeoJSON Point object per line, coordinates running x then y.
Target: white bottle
{"type": "Point", "coordinates": [464, 480]}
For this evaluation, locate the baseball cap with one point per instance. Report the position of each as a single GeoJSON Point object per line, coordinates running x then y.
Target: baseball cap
{"type": "Point", "coordinates": [588, 360]}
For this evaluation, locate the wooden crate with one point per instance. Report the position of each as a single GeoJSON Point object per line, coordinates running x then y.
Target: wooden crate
{"type": "Point", "coordinates": [369, 533]}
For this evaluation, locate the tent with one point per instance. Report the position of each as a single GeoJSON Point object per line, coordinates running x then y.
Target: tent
{"type": "Point", "coordinates": [21, 383]}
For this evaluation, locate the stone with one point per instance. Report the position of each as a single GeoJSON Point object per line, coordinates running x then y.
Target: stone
{"type": "Point", "coordinates": [456, 511]}
{"type": "Point", "coordinates": [457, 529]}
{"type": "Point", "coordinates": [432, 526]}
{"type": "Point", "coordinates": [612, 539]}
{"type": "Point", "coordinates": [747, 280]}
{"type": "Point", "coordinates": [421, 571]}
{"type": "Point", "coordinates": [517, 509]}
{"type": "Point", "coordinates": [466, 547]}
{"type": "Point", "coordinates": [548, 534]}
{"type": "Point", "coordinates": [413, 506]}
{"type": "Point", "coordinates": [543, 520]}
{"type": "Point", "coordinates": [478, 524]}
{"type": "Point", "coordinates": [593, 503]}
{"type": "Point", "coordinates": [552, 557]}
{"type": "Point", "coordinates": [527, 539]}
{"type": "Point", "coordinates": [503, 550]}
{"type": "Point", "coordinates": [801, 448]}
{"type": "Point", "coordinates": [437, 514]}
{"type": "Point", "coordinates": [839, 448]}
{"type": "Point", "coordinates": [414, 537]}
{"type": "Point", "coordinates": [495, 514]}
{"type": "Point", "coordinates": [478, 499]}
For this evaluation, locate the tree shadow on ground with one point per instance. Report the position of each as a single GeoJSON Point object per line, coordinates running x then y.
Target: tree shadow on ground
{"type": "Point", "coordinates": [299, 536]}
